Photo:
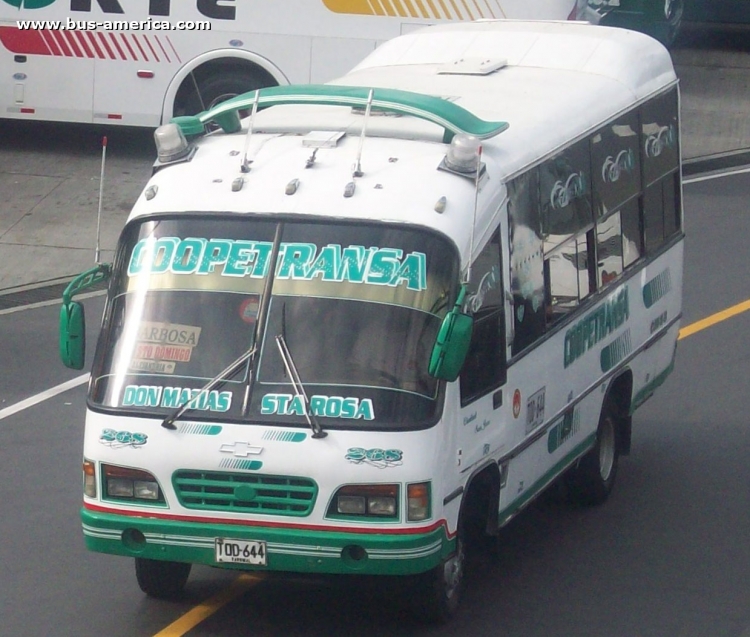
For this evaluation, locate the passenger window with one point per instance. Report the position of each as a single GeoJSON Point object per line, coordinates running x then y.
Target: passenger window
{"type": "Point", "coordinates": [609, 249]}
{"type": "Point", "coordinates": [526, 261]}
{"type": "Point", "coordinates": [567, 276]}
{"type": "Point", "coordinates": [565, 193]}
{"type": "Point", "coordinates": [485, 367]}
{"type": "Point", "coordinates": [632, 245]}
{"type": "Point", "coordinates": [659, 137]}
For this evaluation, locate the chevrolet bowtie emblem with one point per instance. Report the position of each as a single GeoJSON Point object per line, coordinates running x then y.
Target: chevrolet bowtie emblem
{"type": "Point", "coordinates": [241, 449]}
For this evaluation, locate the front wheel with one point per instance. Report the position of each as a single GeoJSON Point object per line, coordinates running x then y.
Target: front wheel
{"type": "Point", "coordinates": [591, 481]}
{"type": "Point", "coordinates": [440, 589]}
{"type": "Point", "coordinates": [160, 579]}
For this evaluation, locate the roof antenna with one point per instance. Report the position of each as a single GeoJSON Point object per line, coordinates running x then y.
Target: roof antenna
{"type": "Point", "coordinates": [476, 205]}
{"type": "Point", "coordinates": [245, 167]}
{"type": "Point", "coordinates": [357, 168]}
{"type": "Point", "coordinates": [97, 254]}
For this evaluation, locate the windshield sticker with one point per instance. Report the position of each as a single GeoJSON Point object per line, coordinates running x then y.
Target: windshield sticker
{"type": "Point", "coordinates": [249, 309]}
{"type": "Point", "coordinates": [381, 458]}
{"type": "Point", "coordinates": [174, 397]}
{"type": "Point", "coordinates": [321, 406]}
{"type": "Point", "coordinates": [120, 439]}
{"type": "Point", "coordinates": [297, 261]}
{"type": "Point", "coordinates": [162, 345]}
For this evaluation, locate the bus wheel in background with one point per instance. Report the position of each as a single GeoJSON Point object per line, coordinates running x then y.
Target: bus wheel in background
{"type": "Point", "coordinates": [163, 580]}
{"type": "Point", "coordinates": [203, 90]}
{"type": "Point", "coordinates": [670, 19]}
{"type": "Point", "coordinates": [591, 480]}
{"type": "Point", "coordinates": [439, 591]}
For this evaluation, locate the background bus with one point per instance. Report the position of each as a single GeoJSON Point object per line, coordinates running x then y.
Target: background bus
{"type": "Point", "coordinates": [140, 62]}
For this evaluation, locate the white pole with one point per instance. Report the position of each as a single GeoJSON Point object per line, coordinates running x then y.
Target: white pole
{"type": "Point", "coordinates": [101, 196]}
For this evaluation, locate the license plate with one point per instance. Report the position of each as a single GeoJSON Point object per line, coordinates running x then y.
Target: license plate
{"type": "Point", "coordinates": [240, 551]}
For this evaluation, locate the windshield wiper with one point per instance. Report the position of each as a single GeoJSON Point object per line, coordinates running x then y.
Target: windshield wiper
{"type": "Point", "coordinates": [299, 388]}
{"type": "Point", "coordinates": [221, 377]}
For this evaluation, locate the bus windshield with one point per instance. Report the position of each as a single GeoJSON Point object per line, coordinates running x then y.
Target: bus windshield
{"type": "Point", "coordinates": [358, 306]}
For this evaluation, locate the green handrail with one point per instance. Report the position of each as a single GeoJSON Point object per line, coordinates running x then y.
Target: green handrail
{"type": "Point", "coordinates": [454, 119]}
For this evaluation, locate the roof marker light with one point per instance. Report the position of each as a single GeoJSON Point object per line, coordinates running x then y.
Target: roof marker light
{"type": "Point", "coordinates": [463, 154]}
{"type": "Point", "coordinates": [237, 184]}
{"type": "Point", "coordinates": [349, 189]}
{"type": "Point", "coordinates": [440, 205]}
{"type": "Point", "coordinates": [151, 192]}
{"type": "Point", "coordinates": [171, 143]}
{"type": "Point", "coordinates": [292, 187]}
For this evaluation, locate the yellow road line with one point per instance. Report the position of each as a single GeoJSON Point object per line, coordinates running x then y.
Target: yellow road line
{"type": "Point", "coordinates": [712, 320]}
{"type": "Point", "coordinates": [205, 609]}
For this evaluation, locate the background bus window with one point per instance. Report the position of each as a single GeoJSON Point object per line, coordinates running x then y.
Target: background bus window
{"type": "Point", "coordinates": [484, 369]}
{"type": "Point", "coordinates": [526, 260]}
{"type": "Point", "coordinates": [565, 193]}
{"type": "Point", "coordinates": [615, 164]}
{"type": "Point", "coordinates": [609, 249]}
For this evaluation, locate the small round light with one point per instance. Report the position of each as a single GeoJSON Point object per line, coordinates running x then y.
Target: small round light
{"type": "Point", "coordinates": [463, 154]}
{"type": "Point", "coordinates": [171, 143]}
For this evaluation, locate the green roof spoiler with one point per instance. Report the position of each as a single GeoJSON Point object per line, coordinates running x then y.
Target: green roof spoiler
{"type": "Point", "coordinates": [453, 118]}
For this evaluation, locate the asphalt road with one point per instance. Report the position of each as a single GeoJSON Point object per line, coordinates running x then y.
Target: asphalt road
{"type": "Point", "coordinates": [667, 555]}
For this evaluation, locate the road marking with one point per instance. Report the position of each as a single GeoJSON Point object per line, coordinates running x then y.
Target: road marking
{"type": "Point", "coordinates": [42, 396]}
{"type": "Point", "coordinates": [712, 320]}
{"type": "Point", "coordinates": [205, 609]}
{"type": "Point", "coordinates": [728, 173]}
{"type": "Point", "coordinates": [33, 306]}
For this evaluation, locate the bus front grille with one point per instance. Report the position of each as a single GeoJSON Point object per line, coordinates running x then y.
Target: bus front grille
{"type": "Point", "coordinates": [242, 493]}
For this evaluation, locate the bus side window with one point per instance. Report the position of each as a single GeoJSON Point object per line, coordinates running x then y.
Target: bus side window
{"type": "Point", "coordinates": [568, 276]}
{"type": "Point", "coordinates": [609, 249]}
{"type": "Point", "coordinates": [485, 367]}
{"type": "Point", "coordinates": [526, 261]}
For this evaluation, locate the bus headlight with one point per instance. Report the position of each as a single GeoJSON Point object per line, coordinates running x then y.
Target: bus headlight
{"type": "Point", "coordinates": [365, 500]}
{"type": "Point", "coordinates": [132, 484]}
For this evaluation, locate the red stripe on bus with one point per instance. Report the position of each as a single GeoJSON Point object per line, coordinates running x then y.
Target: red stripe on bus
{"type": "Point", "coordinates": [71, 38]}
{"type": "Point", "coordinates": [272, 525]}
{"type": "Point", "coordinates": [114, 116]}
{"type": "Point", "coordinates": [117, 46]}
{"type": "Point", "coordinates": [23, 42]}
{"type": "Point", "coordinates": [177, 55]}
{"type": "Point", "coordinates": [84, 45]}
{"type": "Point", "coordinates": [60, 39]}
{"type": "Point", "coordinates": [103, 40]}
{"type": "Point", "coordinates": [140, 48]}
{"type": "Point", "coordinates": [49, 40]}
{"type": "Point", "coordinates": [27, 110]}
{"type": "Point", "coordinates": [152, 48]}
{"type": "Point", "coordinates": [92, 38]}
{"type": "Point", "coordinates": [129, 48]}
{"type": "Point", "coordinates": [163, 50]}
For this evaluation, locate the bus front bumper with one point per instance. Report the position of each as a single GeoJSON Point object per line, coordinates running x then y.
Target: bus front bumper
{"type": "Point", "coordinates": [298, 550]}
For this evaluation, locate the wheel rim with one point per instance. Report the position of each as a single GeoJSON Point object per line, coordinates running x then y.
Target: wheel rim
{"type": "Point", "coordinates": [607, 448]}
{"type": "Point", "coordinates": [453, 570]}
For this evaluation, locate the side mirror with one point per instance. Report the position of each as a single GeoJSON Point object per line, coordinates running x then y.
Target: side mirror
{"type": "Point", "coordinates": [72, 335]}
{"type": "Point", "coordinates": [452, 343]}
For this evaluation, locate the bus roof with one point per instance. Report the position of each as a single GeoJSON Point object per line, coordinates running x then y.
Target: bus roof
{"type": "Point", "coordinates": [552, 82]}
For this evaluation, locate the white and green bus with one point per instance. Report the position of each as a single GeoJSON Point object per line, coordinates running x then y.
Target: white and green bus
{"type": "Point", "coordinates": [369, 322]}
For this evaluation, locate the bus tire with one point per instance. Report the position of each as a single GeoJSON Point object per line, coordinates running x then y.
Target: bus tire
{"type": "Point", "coordinates": [592, 479]}
{"type": "Point", "coordinates": [161, 579]}
{"type": "Point", "coordinates": [440, 590]}
{"type": "Point", "coordinates": [214, 89]}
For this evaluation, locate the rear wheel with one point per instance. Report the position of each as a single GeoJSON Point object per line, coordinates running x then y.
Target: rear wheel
{"type": "Point", "coordinates": [591, 481]}
{"type": "Point", "coordinates": [163, 580]}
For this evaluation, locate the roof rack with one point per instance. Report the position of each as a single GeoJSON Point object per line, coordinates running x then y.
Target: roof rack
{"type": "Point", "coordinates": [453, 118]}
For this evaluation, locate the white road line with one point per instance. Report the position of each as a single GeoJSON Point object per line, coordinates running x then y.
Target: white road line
{"type": "Point", "coordinates": [728, 173]}
{"type": "Point", "coordinates": [33, 306]}
{"type": "Point", "coordinates": [42, 396]}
